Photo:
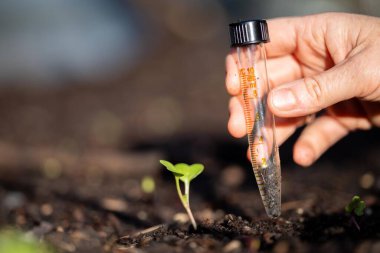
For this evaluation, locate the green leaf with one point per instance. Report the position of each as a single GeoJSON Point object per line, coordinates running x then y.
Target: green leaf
{"type": "Point", "coordinates": [355, 199]}
{"type": "Point", "coordinates": [359, 209]}
{"type": "Point", "coordinates": [349, 208]}
{"type": "Point", "coordinates": [182, 168]}
{"type": "Point", "coordinates": [195, 170]}
{"type": "Point", "coordinates": [169, 166]}
{"type": "Point", "coordinates": [356, 205]}
{"type": "Point", "coordinates": [189, 172]}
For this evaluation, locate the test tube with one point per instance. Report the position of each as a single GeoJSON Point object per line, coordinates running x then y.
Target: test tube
{"type": "Point", "coordinates": [249, 38]}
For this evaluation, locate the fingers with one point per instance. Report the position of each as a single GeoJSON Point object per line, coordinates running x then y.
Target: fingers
{"type": "Point", "coordinates": [236, 122]}
{"type": "Point", "coordinates": [312, 94]}
{"type": "Point", "coordinates": [232, 75]}
{"type": "Point", "coordinates": [285, 127]}
{"type": "Point", "coordinates": [283, 36]}
{"type": "Point", "coordinates": [316, 138]}
{"type": "Point", "coordinates": [282, 69]}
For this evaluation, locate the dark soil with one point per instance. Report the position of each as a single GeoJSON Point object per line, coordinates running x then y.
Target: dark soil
{"type": "Point", "coordinates": [105, 210]}
{"type": "Point", "coordinates": [72, 160]}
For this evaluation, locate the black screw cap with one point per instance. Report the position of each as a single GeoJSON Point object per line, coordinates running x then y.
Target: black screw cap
{"type": "Point", "coordinates": [249, 32]}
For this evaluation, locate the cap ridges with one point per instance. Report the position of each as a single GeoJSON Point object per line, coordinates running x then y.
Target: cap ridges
{"type": "Point", "coordinates": [249, 32]}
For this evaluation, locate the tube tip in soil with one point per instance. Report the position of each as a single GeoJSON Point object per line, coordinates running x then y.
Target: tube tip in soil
{"type": "Point", "coordinates": [274, 214]}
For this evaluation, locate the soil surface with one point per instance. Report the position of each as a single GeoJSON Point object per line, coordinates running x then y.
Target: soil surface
{"type": "Point", "coordinates": [72, 161]}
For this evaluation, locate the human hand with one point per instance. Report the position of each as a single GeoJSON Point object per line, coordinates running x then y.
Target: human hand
{"type": "Point", "coordinates": [327, 61]}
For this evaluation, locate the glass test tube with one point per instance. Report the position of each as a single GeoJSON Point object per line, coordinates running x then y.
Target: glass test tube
{"type": "Point", "coordinates": [248, 37]}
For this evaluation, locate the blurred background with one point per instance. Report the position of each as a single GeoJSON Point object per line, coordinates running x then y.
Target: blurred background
{"type": "Point", "coordinates": [93, 73]}
{"type": "Point", "coordinates": [92, 86]}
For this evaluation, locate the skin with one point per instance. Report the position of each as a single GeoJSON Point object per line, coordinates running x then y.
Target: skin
{"type": "Point", "coordinates": [327, 62]}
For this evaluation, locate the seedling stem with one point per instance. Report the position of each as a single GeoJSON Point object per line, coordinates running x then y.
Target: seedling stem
{"type": "Point", "coordinates": [185, 173]}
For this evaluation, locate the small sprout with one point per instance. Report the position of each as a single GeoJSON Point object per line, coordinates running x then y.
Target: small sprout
{"type": "Point", "coordinates": [185, 173]}
{"type": "Point", "coordinates": [148, 185]}
{"type": "Point", "coordinates": [356, 207]}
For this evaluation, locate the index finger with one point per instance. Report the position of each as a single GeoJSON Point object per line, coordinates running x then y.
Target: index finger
{"type": "Point", "coordinates": [283, 36]}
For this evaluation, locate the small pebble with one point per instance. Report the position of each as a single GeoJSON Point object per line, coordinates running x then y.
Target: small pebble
{"type": "Point", "coordinates": [79, 235]}
{"type": "Point", "coordinates": [46, 209]}
{"type": "Point", "coordinates": [146, 240]}
{"type": "Point", "coordinates": [181, 218]}
{"type": "Point", "coordinates": [67, 247]}
{"type": "Point", "coordinates": [114, 204]}
{"type": "Point", "coordinates": [127, 250]}
{"type": "Point", "coordinates": [170, 238]}
{"type": "Point", "coordinates": [14, 200]}
{"type": "Point", "coordinates": [20, 219]}
{"type": "Point", "coordinates": [367, 180]}
{"type": "Point", "coordinates": [78, 215]}
{"type": "Point", "coordinates": [247, 230]}
{"type": "Point", "coordinates": [300, 211]}
{"type": "Point", "coordinates": [43, 228]}
{"type": "Point", "coordinates": [232, 246]}
{"type": "Point", "coordinates": [206, 214]}
{"type": "Point", "coordinates": [142, 215]}
{"type": "Point", "coordinates": [229, 217]}
{"type": "Point", "coordinates": [193, 245]}
{"type": "Point", "coordinates": [218, 214]}
{"type": "Point", "coordinates": [368, 211]}
{"type": "Point", "coordinates": [149, 230]}
{"type": "Point", "coordinates": [102, 234]}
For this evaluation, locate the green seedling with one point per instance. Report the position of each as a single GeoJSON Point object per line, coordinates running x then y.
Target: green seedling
{"type": "Point", "coordinates": [355, 208]}
{"type": "Point", "coordinates": [185, 173]}
{"type": "Point", "coordinates": [14, 241]}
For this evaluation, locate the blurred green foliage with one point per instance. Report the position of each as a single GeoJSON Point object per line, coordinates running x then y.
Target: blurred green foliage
{"type": "Point", "coordinates": [14, 241]}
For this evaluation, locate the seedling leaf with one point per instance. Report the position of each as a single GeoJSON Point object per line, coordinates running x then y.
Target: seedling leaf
{"type": "Point", "coordinates": [169, 166]}
{"type": "Point", "coordinates": [359, 210]}
{"type": "Point", "coordinates": [195, 170]}
{"type": "Point", "coordinates": [182, 168]}
{"type": "Point", "coordinates": [356, 205]}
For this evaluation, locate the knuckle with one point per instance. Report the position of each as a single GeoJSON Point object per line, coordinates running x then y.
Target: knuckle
{"type": "Point", "coordinates": [314, 90]}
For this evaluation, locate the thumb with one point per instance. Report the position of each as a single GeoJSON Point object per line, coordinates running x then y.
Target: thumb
{"type": "Point", "coordinates": [312, 94]}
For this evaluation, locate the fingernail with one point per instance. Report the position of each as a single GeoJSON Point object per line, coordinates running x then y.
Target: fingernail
{"type": "Point", "coordinates": [305, 156]}
{"type": "Point", "coordinates": [284, 99]}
